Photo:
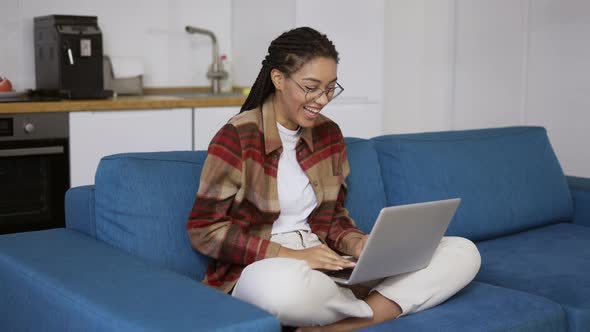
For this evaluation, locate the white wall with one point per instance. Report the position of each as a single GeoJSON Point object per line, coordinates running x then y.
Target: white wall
{"type": "Point", "coordinates": [418, 65]}
{"type": "Point", "coordinates": [255, 23]}
{"type": "Point", "coordinates": [355, 27]}
{"type": "Point", "coordinates": [448, 64]}
{"type": "Point", "coordinates": [488, 65]}
{"type": "Point", "coordinates": [459, 64]}
{"type": "Point", "coordinates": [152, 31]}
{"type": "Point", "coordinates": [10, 55]}
{"type": "Point", "coordinates": [558, 78]}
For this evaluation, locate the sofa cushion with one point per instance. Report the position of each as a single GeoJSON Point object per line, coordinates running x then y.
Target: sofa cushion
{"type": "Point", "coordinates": [143, 201]}
{"type": "Point", "coordinates": [366, 195]}
{"type": "Point", "coordinates": [509, 179]}
{"type": "Point", "coordinates": [79, 204]}
{"type": "Point", "coordinates": [481, 307]}
{"type": "Point", "coordinates": [552, 261]}
{"type": "Point", "coordinates": [62, 280]}
{"type": "Point", "coordinates": [580, 189]}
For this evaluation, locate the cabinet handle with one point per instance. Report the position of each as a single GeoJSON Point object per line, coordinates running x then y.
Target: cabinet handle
{"type": "Point", "coordinates": [32, 151]}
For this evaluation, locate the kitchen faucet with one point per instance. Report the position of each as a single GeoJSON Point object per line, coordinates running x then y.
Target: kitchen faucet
{"type": "Point", "coordinates": [215, 72]}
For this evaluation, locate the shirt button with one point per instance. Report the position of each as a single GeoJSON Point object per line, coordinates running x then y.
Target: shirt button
{"type": "Point", "coordinates": [315, 183]}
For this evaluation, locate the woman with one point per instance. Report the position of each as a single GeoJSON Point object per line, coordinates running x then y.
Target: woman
{"type": "Point", "coordinates": [269, 209]}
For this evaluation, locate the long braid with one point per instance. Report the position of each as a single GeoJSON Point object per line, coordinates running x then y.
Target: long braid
{"type": "Point", "coordinates": [287, 53]}
{"type": "Point", "coordinates": [261, 89]}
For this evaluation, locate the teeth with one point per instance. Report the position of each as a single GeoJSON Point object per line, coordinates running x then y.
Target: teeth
{"type": "Point", "coordinates": [311, 110]}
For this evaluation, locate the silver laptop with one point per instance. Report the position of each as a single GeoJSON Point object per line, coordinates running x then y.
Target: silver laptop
{"type": "Point", "coordinates": [403, 239]}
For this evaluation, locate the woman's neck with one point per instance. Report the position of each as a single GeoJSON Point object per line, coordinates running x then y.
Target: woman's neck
{"type": "Point", "coordinates": [281, 114]}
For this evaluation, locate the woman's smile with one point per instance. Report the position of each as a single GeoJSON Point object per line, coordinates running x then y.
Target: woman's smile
{"type": "Point", "coordinates": [311, 111]}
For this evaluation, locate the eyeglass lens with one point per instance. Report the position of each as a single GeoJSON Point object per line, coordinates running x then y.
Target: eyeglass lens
{"type": "Point", "coordinates": [330, 93]}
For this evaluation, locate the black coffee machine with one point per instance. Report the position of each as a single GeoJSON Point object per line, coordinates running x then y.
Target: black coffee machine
{"type": "Point", "coordinates": [68, 57]}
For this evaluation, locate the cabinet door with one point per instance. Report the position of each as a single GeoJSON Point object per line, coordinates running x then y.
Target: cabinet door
{"type": "Point", "coordinates": [94, 135]}
{"type": "Point", "coordinates": [356, 120]}
{"type": "Point", "coordinates": [207, 121]}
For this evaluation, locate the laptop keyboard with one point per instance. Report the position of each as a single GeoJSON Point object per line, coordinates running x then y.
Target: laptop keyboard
{"type": "Point", "coordinates": [342, 274]}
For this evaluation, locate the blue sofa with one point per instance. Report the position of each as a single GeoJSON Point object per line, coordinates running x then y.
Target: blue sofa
{"type": "Point", "coordinates": [124, 260]}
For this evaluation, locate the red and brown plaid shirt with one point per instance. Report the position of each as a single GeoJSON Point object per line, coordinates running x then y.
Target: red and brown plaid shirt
{"type": "Point", "coordinates": [237, 201]}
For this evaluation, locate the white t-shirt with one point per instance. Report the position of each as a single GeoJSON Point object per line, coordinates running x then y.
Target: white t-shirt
{"type": "Point", "coordinates": [296, 196]}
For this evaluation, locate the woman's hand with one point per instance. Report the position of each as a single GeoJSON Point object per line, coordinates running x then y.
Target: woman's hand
{"type": "Point", "coordinates": [357, 245]}
{"type": "Point", "coordinates": [319, 257]}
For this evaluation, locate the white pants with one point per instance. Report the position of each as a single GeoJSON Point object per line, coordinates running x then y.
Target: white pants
{"type": "Point", "coordinates": [300, 296]}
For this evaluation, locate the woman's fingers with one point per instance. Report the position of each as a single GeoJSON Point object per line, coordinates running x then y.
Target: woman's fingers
{"type": "Point", "coordinates": [318, 257]}
{"type": "Point", "coordinates": [339, 259]}
{"type": "Point", "coordinates": [329, 259]}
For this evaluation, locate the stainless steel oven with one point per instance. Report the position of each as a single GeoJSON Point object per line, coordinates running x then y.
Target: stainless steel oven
{"type": "Point", "coordinates": [34, 171]}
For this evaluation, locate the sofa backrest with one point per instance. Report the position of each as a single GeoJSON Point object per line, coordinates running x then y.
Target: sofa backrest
{"type": "Point", "coordinates": [366, 194]}
{"type": "Point", "coordinates": [142, 202]}
{"type": "Point", "coordinates": [509, 179]}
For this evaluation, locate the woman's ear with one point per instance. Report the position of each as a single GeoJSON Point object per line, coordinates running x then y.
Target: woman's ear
{"type": "Point", "coordinates": [277, 78]}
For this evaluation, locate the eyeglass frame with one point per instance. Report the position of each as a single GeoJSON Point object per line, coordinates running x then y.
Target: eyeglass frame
{"type": "Point", "coordinates": [304, 89]}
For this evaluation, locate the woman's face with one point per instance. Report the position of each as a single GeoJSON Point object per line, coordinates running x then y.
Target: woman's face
{"type": "Point", "coordinates": [294, 103]}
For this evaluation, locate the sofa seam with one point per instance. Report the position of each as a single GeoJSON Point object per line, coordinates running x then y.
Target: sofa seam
{"type": "Point", "coordinates": [92, 208]}
{"type": "Point", "coordinates": [443, 140]}
{"type": "Point", "coordinates": [111, 158]}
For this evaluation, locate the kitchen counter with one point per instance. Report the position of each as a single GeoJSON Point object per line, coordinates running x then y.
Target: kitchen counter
{"type": "Point", "coordinates": [154, 98]}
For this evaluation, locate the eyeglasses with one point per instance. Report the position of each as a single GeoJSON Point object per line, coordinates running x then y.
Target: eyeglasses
{"type": "Point", "coordinates": [311, 94]}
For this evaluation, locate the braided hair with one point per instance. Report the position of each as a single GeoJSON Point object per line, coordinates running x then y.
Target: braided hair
{"type": "Point", "coordinates": [288, 53]}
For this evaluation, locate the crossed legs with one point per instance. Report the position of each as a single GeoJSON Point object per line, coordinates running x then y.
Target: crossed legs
{"type": "Point", "coordinates": [300, 296]}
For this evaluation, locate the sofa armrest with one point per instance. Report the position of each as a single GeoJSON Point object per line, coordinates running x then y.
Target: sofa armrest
{"type": "Point", "coordinates": [63, 280]}
{"type": "Point", "coordinates": [580, 189]}
{"type": "Point", "coordinates": [79, 205]}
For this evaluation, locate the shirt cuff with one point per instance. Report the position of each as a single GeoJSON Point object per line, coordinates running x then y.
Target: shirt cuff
{"type": "Point", "coordinates": [345, 245]}
{"type": "Point", "coordinates": [272, 250]}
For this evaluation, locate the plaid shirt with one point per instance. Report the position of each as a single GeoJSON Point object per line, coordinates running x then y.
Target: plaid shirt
{"type": "Point", "coordinates": [237, 201]}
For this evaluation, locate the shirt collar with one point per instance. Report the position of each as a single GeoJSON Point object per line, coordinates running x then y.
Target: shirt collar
{"type": "Point", "coordinates": [272, 140]}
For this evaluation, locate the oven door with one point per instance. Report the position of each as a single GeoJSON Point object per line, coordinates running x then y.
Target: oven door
{"type": "Point", "coordinates": [34, 176]}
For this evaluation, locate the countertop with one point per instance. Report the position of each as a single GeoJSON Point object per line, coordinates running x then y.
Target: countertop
{"type": "Point", "coordinates": [153, 98]}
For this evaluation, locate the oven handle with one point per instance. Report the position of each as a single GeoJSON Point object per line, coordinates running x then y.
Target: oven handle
{"type": "Point", "coordinates": [32, 151]}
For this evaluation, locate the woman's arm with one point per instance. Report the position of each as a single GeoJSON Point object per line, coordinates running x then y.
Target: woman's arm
{"type": "Point", "coordinates": [212, 231]}
{"type": "Point", "coordinates": [343, 235]}
{"type": "Point", "coordinates": [347, 239]}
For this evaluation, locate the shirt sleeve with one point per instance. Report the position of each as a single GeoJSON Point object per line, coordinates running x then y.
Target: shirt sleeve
{"type": "Point", "coordinates": [211, 228]}
{"type": "Point", "coordinates": [342, 228]}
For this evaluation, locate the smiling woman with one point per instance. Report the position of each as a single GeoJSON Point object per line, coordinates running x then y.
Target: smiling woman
{"type": "Point", "coordinates": [299, 104]}
{"type": "Point", "coordinates": [286, 55]}
{"type": "Point", "coordinates": [264, 203]}
{"type": "Point", "coordinates": [270, 206]}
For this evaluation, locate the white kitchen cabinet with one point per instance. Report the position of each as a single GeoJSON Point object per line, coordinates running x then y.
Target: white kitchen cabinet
{"type": "Point", "coordinates": [94, 135]}
{"type": "Point", "coordinates": [207, 121]}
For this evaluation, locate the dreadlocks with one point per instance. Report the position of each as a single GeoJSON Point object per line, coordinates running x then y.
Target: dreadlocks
{"type": "Point", "coordinates": [287, 53]}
